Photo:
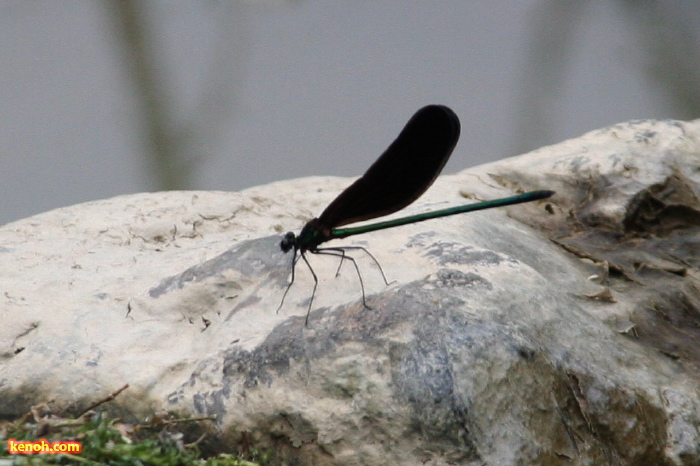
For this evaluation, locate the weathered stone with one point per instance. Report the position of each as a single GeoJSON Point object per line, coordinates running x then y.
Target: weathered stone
{"type": "Point", "coordinates": [558, 332]}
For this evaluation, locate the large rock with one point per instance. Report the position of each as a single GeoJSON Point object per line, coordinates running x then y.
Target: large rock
{"type": "Point", "coordinates": [557, 332]}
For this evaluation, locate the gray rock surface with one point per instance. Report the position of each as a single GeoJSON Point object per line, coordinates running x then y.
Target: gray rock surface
{"type": "Point", "coordinates": [557, 332]}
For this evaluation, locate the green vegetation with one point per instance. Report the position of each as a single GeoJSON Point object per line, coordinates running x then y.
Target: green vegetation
{"type": "Point", "coordinates": [108, 441]}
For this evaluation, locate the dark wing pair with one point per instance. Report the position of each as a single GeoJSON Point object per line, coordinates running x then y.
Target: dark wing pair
{"type": "Point", "coordinates": [404, 171]}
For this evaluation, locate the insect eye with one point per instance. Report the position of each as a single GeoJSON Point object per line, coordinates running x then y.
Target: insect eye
{"type": "Point", "coordinates": [288, 241]}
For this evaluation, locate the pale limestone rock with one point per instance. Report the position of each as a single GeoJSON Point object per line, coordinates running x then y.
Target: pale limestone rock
{"type": "Point", "coordinates": [557, 332]}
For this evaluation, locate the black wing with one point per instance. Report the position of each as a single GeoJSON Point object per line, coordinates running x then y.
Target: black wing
{"type": "Point", "coordinates": [403, 172]}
